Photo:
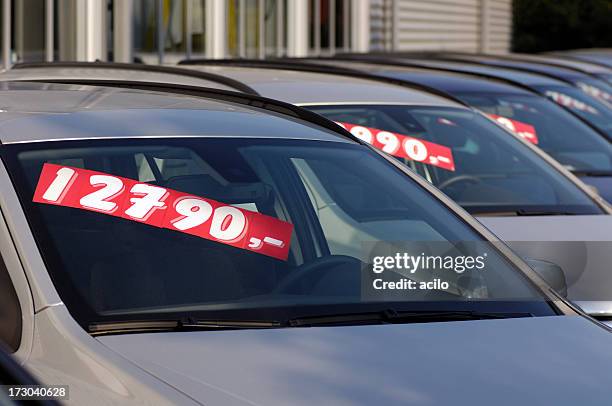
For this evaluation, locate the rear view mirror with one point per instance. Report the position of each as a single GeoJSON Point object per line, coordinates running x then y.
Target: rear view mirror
{"type": "Point", "coordinates": [551, 273]}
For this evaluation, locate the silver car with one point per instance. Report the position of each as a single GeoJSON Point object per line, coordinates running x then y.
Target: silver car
{"type": "Point", "coordinates": [519, 192]}
{"type": "Point", "coordinates": [212, 249]}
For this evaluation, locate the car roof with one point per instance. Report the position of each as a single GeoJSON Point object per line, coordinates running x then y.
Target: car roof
{"type": "Point", "coordinates": [302, 87]}
{"type": "Point", "coordinates": [605, 60]}
{"type": "Point", "coordinates": [445, 81]}
{"type": "Point", "coordinates": [532, 66]}
{"type": "Point", "coordinates": [524, 78]}
{"type": "Point", "coordinates": [556, 60]}
{"type": "Point", "coordinates": [37, 111]}
{"type": "Point", "coordinates": [35, 71]}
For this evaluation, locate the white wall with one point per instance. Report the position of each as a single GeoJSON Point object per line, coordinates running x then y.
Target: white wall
{"type": "Point", "coordinates": [463, 25]}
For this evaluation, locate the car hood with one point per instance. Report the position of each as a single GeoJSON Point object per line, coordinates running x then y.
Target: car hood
{"type": "Point", "coordinates": [544, 360]}
{"type": "Point", "coordinates": [580, 245]}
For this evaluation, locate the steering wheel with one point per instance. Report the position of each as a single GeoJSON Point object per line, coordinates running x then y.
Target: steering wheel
{"type": "Point", "coordinates": [315, 270]}
{"type": "Point", "coordinates": [458, 179]}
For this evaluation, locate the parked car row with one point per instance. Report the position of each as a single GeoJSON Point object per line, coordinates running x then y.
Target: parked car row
{"type": "Point", "coordinates": [205, 233]}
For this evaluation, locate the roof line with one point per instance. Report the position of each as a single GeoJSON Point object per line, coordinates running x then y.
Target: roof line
{"type": "Point", "coordinates": [514, 57]}
{"type": "Point", "coordinates": [246, 99]}
{"type": "Point", "coordinates": [213, 77]}
{"type": "Point", "coordinates": [437, 56]}
{"type": "Point", "coordinates": [507, 57]}
{"type": "Point", "coordinates": [296, 64]}
{"type": "Point", "coordinates": [443, 58]}
{"type": "Point", "coordinates": [383, 60]}
{"type": "Point", "coordinates": [574, 57]}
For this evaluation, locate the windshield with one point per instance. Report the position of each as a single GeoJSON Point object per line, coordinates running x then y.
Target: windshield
{"type": "Point", "coordinates": [596, 88]}
{"type": "Point", "coordinates": [493, 172]}
{"type": "Point", "coordinates": [593, 110]}
{"type": "Point", "coordinates": [240, 227]}
{"type": "Point", "coordinates": [561, 135]}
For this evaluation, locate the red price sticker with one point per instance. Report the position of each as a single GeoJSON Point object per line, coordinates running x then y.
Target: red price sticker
{"type": "Point", "coordinates": [404, 146]}
{"type": "Point", "coordinates": [161, 207]}
{"type": "Point", "coordinates": [570, 102]}
{"type": "Point", "coordinates": [521, 129]}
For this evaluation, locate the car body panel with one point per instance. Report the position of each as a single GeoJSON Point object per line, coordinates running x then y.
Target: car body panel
{"type": "Point", "coordinates": [422, 364]}
{"type": "Point", "coordinates": [559, 72]}
{"type": "Point", "coordinates": [527, 79]}
{"type": "Point", "coordinates": [74, 112]}
{"type": "Point", "coordinates": [65, 354]}
{"type": "Point", "coordinates": [305, 87]}
{"type": "Point", "coordinates": [571, 76]}
{"type": "Point", "coordinates": [601, 58]}
{"type": "Point", "coordinates": [92, 73]}
{"type": "Point", "coordinates": [582, 66]}
{"type": "Point", "coordinates": [446, 81]}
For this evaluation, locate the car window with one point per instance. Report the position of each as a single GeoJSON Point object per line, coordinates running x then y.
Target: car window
{"type": "Point", "coordinates": [596, 88]}
{"type": "Point", "coordinates": [490, 171]}
{"type": "Point", "coordinates": [593, 110]}
{"type": "Point", "coordinates": [564, 137]}
{"type": "Point", "coordinates": [335, 198]}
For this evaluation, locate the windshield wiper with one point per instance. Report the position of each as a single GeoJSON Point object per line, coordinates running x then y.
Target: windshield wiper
{"type": "Point", "coordinates": [536, 212]}
{"type": "Point", "coordinates": [523, 210]}
{"type": "Point", "coordinates": [390, 316]}
{"type": "Point", "coordinates": [592, 172]}
{"type": "Point", "coordinates": [188, 324]}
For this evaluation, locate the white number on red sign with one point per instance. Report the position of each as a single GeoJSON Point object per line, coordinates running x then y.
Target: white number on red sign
{"type": "Point", "coordinates": [389, 142]}
{"type": "Point", "coordinates": [415, 149]}
{"type": "Point", "coordinates": [362, 133]}
{"type": "Point", "coordinates": [228, 223]}
{"type": "Point", "coordinates": [111, 187]}
{"type": "Point", "coordinates": [148, 199]}
{"type": "Point", "coordinates": [57, 190]}
{"type": "Point", "coordinates": [193, 212]}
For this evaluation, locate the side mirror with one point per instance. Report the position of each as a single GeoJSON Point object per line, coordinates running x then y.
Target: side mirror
{"type": "Point", "coordinates": [551, 273]}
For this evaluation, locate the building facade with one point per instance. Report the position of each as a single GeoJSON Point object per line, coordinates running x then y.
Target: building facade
{"type": "Point", "coordinates": [165, 31]}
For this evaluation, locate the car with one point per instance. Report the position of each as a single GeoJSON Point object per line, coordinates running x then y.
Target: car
{"type": "Point", "coordinates": [504, 193]}
{"type": "Point", "coordinates": [171, 244]}
{"type": "Point", "coordinates": [593, 86]}
{"type": "Point", "coordinates": [565, 137]}
{"type": "Point", "coordinates": [593, 111]}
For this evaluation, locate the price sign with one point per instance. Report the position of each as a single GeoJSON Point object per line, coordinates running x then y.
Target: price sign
{"type": "Point", "coordinates": [404, 146]}
{"type": "Point", "coordinates": [162, 207]}
{"type": "Point", "coordinates": [521, 129]}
